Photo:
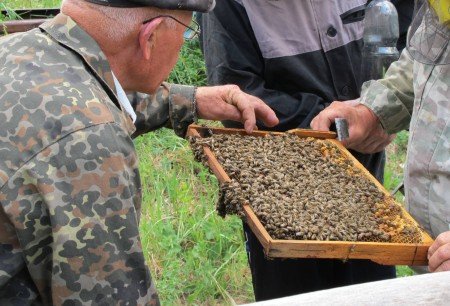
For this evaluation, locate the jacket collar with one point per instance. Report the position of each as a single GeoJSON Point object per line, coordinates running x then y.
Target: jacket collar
{"type": "Point", "coordinates": [64, 30]}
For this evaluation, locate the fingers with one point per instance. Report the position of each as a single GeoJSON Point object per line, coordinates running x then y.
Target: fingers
{"type": "Point", "coordinates": [440, 260]}
{"type": "Point", "coordinates": [262, 111]}
{"type": "Point", "coordinates": [322, 122]}
{"type": "Point", "coordinates": [212, 104]}
{"type": "Point", "coordinates": [365, 133]}
{"type": "Point", "coordinates": [445, 266]}
{"type": "Point", "coordinates": [266, 115]}
{"type": "Point", "coordinates": [227, 112]}
{"type": "Point", "coordinates": [439, 253]}
{"type": "Point", "coordinates": [325, 118]}
{"type": "Point", "coordinates": [228, 102]}
{"type": "Point", "coordinates": [245, 105]}
{"type": "Point", "coordinates": [442, 239]}
{"type": "Point", "coordinates": [249, 119]}
{"type": "Point", "coordinates": [375, 147]}
{"type": "Point", "coordinates": [251, 108]}
{"type": "Point", "coordinates": [379, 144]}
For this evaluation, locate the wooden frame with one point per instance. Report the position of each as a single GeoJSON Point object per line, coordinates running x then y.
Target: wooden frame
{"type": "Point", "coordinates": [379, 252]}
{"type": "Point", "coordinates": [31, 18]}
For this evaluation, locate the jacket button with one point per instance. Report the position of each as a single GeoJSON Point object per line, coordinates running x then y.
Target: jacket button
{"type": "Point", "coordinates": [331, 32]}
{"type": "Point", "coordinates": [345, 90]}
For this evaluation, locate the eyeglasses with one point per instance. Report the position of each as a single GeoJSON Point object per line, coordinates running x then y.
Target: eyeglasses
{"type": "Point", "coordinates": [191, 32]}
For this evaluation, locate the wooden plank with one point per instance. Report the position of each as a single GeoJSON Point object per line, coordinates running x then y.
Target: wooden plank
{"type": "Point", "coordinates": [303, 133]}
{"type": "Point", "coordinates": [313, 133]}
{"type": "Point", "coordinates": [380, 252]}
{"type": "Point", "coordinates": [205, 130]}
{"type": "Point", "coordinates": [421, 255]}
{"type": "Point", "coordinates": [15, 26]}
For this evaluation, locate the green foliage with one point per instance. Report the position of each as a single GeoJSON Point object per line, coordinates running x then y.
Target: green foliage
{"type": "Point", "coordinates": [393, 176]}
{"type": "Point", "coordinates": [403, 271]}
{"type": "Point", "coordinates": [23, 4]}
{"type": "Point", "coordinates": [396, 156]}
{"type": "Point", "coordinates": [195, 256]}
{"type": "Point", "coordinates": [10, 13]}
{"type": "Point", "coordinates": [10, 5]}
{"type": "Point", "coordinates": [190, 68]}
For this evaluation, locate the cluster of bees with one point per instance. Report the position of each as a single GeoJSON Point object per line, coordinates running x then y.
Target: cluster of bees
{"type": "Point", "coordinates": [304, 189]}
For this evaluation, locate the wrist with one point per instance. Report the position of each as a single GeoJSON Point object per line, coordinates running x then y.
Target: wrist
{"type": "Point", "coordinates": [194, 105]}
{"type": "Point", "coordinates": [368, 115]}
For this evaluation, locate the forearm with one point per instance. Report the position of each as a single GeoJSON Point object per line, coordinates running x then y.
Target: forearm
{"type": "Point", "coordinates": [171, 106]}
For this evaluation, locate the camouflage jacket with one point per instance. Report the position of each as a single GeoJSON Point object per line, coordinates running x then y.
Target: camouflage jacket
{"type": "Point", "coordinates": [417, 96]}
{"type": "Point", "coordinates": [70, 189]}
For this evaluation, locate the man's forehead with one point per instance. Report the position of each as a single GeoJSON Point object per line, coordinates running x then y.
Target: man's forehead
{"type": "Point", "coordinates": [186, 5]}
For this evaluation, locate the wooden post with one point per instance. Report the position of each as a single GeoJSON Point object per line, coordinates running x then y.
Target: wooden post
{"type": "Point", "coordinates": [15, 26]}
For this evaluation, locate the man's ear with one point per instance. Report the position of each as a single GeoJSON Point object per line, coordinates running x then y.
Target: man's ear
{"type": "Point", "coordinates": [147, 37]}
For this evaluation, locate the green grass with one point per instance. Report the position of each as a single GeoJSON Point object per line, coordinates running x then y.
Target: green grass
{"type": "Point", "coordinates": [190, 68]}
{"type": "Point", "coordinates": [10, 5]}
{"type": "Point", "coordinates": [24, 4]}
{"type": "Point", "coordinates": [195, 256]}
{"type": "Point", "coordinates": [11, 14]}
{"type": "Point", "coordinates": [393, 175]}
{"type": "Point", "coordinates": [396, 155]}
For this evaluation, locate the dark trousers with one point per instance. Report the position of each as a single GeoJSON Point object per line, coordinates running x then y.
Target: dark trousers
{"type": "Point", "coordinates": [275, 278]}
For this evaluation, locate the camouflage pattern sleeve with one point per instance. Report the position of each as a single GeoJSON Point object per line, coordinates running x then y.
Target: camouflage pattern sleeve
{"type": "Point", "coordinates": [392, 98]}
{"type": "Point", "coordinates": [69, 220]}
{"type": "Point", "coordinates": [171, 106]}
{"type": "Point", "coordinates": [70, 191]}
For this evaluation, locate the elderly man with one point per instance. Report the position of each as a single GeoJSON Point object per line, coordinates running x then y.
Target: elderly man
{"type": "Point", "coordinates": [71, 193]}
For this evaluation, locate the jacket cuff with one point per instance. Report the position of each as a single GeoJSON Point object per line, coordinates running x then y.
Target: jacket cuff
{"type": "Point", "coordinates": [182, 107]}
{"type": "Point", "coordinates": [393, 114]}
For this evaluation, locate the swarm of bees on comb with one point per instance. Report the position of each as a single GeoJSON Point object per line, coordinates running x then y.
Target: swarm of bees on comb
{"type": "Point", "coordinates": [304, 189]}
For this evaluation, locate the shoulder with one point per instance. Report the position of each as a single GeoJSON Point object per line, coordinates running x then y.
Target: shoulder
{"type": "Point", "coordinates": [47, 93]}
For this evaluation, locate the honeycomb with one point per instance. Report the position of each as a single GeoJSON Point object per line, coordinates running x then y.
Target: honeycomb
{"type": "Point", "coordinates": [304, 189]}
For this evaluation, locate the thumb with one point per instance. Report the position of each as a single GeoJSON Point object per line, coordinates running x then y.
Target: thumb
{"type": "Point", "coordinates": [325, 118]}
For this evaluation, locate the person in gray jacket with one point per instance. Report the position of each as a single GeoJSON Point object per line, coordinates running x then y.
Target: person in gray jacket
{"type": "Point", "coordinates": [413, 95]}
{"type": "Point", "coordinates": [298, 57]}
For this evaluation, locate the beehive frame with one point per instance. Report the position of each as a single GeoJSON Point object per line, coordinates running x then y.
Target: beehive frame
{"type": "Point", "coordinates": [386, 253]}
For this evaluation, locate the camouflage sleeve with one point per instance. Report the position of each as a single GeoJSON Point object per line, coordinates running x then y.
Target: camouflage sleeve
{"type": "Point", "coordinates": [171, 106]}
{"type": "Point", "coordinates": [75, 208]}
{"type": "Point", "coordinates": [392, 98]}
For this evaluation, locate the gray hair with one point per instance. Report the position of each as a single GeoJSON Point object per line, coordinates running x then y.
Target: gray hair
{"type": "Point", "coordinates": [118, 23]}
